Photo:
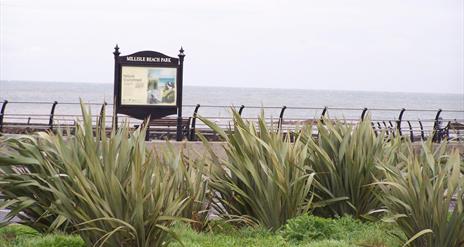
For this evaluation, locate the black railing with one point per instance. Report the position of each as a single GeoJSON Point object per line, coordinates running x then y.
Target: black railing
{"type": "Point", "coordinates": [427, 123]}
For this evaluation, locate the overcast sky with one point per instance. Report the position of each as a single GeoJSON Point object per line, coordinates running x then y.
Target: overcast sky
{"type": "Point", "coordinates": [389, 45]}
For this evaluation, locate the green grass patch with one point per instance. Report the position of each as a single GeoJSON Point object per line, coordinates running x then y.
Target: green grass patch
{"type": "Point", "coordinates": [309, 228]}
{"type": "Point", "coordinates": [302, 231]}
{"type": "Point", "coordinates": [23, 236]}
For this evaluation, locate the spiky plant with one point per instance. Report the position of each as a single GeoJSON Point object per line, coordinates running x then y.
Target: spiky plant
{"type": "Point", "coordinates": [343, 156]}
{"type": "Point", "coordinates": [193, 180]}
{"type": "Point", "coordinates": [22, 191]}
{"type": "Point", "coordinates": [263, 180]}
{"type": "Point", "coordinates": [113, 190]}
{"type": "Point", "coordinates": [418, 192]}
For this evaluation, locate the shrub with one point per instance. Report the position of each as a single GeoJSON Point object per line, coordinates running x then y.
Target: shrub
{"type": "Point", "coordinates": [29, 201]}
{"type": "Point", "coordinates": [264, 179]}
{"type": "Point", "coordinates": [418, 192]}
{"type": "Point", "coordinates": [308, 228]}
{"type": "Point", "coordinates": [344, 160]}
{"type": "Point", "coordinates": [113, 190]}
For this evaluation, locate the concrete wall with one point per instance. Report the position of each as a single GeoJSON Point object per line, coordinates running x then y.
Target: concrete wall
{"type": "Point", "coordinates": [197, 149]}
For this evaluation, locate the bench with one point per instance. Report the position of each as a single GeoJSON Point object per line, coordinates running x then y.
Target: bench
{"type": "Point", "coordinates": [165, 128]}
{"type": "Point", "coordinates": [454, 130]}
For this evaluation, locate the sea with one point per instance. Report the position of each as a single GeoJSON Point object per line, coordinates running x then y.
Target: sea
{"type": "Point", "coordinates": [30, 97]}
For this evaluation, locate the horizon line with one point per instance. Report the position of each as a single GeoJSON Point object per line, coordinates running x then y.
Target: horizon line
{"type": "Point", "coordinates": [238, 87]}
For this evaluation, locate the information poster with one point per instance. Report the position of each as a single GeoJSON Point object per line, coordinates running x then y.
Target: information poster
{"type": "Point", "coordinates": [148, 86]}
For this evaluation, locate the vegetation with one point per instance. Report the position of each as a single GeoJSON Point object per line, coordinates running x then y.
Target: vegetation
{"type": "Point", "coordinates": [418, 192]}
{"type": "Point", "coordinates": [344, 159]}
{"type": "Point", "coordinates": [271, 189]}
{"type": "Point", "coordinates": [309, 228]}
{"type": "Point", "coordinates": [112, 189]}
{"type": "Point", "coordinates": [264, 179]}
{"type": "Point", "coordinates": [348, 232]}
{"type": "Point", "coordinates": [19, 235]}
{"type": "Point", "coordinates": [24, 189]}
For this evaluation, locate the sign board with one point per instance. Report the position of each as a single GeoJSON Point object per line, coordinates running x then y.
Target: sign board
{"type": "Point", "coordinates": [148, 84]}
{"type": "Point", "coordinates": [152, 86]}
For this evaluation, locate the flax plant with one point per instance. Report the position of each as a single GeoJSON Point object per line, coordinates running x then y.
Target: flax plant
{"type": "Point", "coordinates": [418, 192]}
{"type": "Point", "coordinates": [263, 180]}
{"type": "Point", "coordinates": [113, 190]}
{"type": "Point", "coordinates": [343, 156]}
{"type": "Point", "coordinates": [193, 180]}
{"type": "Point", "coordinates": [22, 191]}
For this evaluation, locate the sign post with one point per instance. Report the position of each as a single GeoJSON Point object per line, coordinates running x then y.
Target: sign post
{"type": "Point", "coordinates": [148, 84]}
{"type": "Point", "coordinates": [179, 90]}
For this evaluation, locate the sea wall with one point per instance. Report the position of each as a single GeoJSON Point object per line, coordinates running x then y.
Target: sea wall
{"type": "Point", "coordinates": [197, 149]}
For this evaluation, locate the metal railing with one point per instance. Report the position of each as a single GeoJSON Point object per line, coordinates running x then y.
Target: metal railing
{"type": "Point", "coordinates": [438, 124]}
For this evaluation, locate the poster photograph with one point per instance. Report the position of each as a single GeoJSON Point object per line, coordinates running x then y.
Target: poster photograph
{"type": "Point", "coordinates": [148, 86]}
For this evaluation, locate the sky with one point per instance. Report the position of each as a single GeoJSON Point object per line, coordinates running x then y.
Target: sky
{"type": "Point", "coordinates": [388, 45]}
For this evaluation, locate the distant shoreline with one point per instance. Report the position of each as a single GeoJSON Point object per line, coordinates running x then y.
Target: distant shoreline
{"type": "Point", "coordinates": [257, 88]}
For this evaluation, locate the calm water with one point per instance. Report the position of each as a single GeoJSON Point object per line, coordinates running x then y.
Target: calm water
{"type": "Point", "coordinates": [98, 93]}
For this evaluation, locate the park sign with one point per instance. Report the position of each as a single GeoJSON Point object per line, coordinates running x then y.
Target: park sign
{"type": "Point", "coordinates": [148, 84]}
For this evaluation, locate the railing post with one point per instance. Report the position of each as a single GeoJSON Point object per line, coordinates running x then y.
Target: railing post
{"type": "Point", "coordinates": [281, 118]}
{"type": "Point", "coordinates": [194, 119]}
{"type": "Point", "coordinates": [422, 130]}
{"type": "Point", "coordinates": [436, 128]}
{"type": "Point", "coordinates": [363, 114]}
{"type": "Point", "coordinates": [52, 114]}
{"type": "Point", "coordinates": [324, 111]}
{"type": "Point", "coordinates": [398, 123]}
{"type": "Point", "coordinates": [241, 110]}
{"type": "Point", "coordinates": [2, 114]}
{"type": "Point", "coordinates": [411, 132]}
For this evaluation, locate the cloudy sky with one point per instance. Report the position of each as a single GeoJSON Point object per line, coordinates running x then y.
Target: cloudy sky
{"type": "Point", "coordinates": [389, 45]}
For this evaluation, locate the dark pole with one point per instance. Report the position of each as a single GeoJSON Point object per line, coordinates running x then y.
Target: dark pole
{"type": "Point", "coordinates": [2, 114]}
{"type": "Point", "coordinates": [179, 94]}
{"type": "Point", "coordinates": [241, 110]}
{"type": "Point", "coordinates": [436, 127]}
{"type": "Point", "coordinates": [116, 86]}
{"type": "Point", "coordinates": [411, 132]}
{"type": "Point", "coordinates": [398, 123]}
{"type": "Point", "coordinates": [281, 118]}
{"type": "Point", "coordinates": [422, 130]}
{"type": "Point", "coordinates": [324, 111]}
{"type": "Point", "coordinates": [323, 114]}
{"type": "Point", "coordinates": [363, 114]}
{"type": "Point", "coordinates": [52, 113]}
{"type": "Point", "coordinates": [194, 120]}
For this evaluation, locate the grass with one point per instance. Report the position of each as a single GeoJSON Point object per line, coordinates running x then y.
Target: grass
{"type": "Point", "coordinates": [343, 232]}
{"type": "Point", "coordinates": [24, 236]}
